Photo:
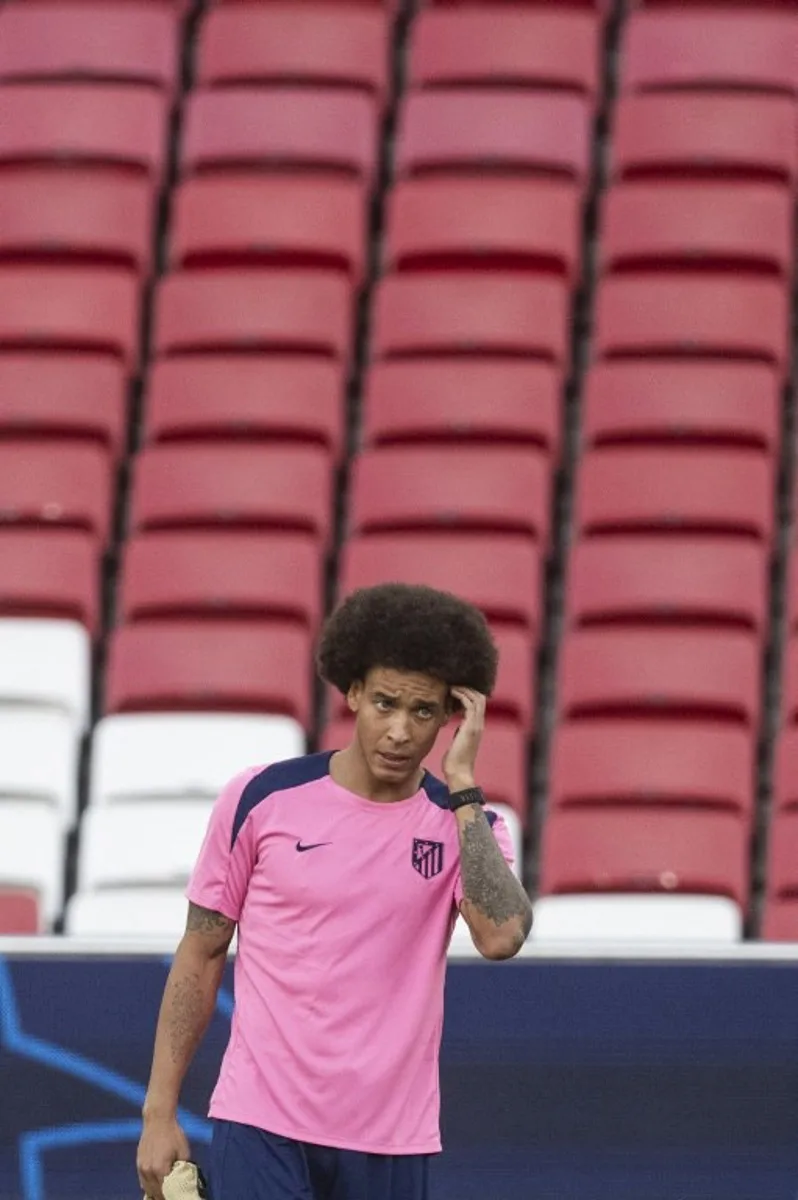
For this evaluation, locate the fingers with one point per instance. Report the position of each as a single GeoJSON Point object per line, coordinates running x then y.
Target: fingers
{"type": "Point", "coordinates": [152, 1175]}
{"type": "Point", "coordinates": [473, 702]}
{"type": "Point", "coordinates": [151, 1184]}
{"type": "Point", "coordinates": [162, 1144]}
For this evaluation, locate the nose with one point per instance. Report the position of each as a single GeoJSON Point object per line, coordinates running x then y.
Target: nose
{"type": "Point", "coordinates": [399, 730]}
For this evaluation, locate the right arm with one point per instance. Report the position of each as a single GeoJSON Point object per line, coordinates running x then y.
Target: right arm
{"type": "Point", "coordinates": [188, 1003]}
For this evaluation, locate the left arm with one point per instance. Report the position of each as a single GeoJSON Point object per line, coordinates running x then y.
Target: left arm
{"type": "Point", "coordinates": [495, 905]}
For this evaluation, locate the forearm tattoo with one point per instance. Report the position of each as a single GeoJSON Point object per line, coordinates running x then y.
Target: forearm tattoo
{"type": "Point", "coordinates": [488, 883]}
{"type": "Point", "coordinates": [187, 1017]}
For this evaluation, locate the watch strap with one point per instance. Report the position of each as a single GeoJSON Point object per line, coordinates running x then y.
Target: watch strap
{"type": "Point", "coordinates": [474, 795]}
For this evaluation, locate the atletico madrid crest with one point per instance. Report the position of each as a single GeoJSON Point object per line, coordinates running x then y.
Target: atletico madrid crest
{"type": "Point", "coordinates": [427, 857]}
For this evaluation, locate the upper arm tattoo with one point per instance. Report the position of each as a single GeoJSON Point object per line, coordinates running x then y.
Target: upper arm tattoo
{"type": "Point", "coordinates": [488, 883]}
{"type": "Point", "coordinates": [207, 920]}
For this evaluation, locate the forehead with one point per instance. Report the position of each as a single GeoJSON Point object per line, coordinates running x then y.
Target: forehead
{"type": "Point", "coordinates": [409, 686]}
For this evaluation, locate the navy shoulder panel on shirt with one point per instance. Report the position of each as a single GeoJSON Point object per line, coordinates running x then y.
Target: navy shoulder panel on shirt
{"type": "Point", "coordinates": [438, 793]}
{"type": "Point", "coordinates": [436, 790]}
{"type": "Point", "coordinates": [279, 777]}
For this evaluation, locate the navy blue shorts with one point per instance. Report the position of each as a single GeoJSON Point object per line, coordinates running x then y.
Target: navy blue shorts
{"type": "Point", "coordinates": [250, 1164]}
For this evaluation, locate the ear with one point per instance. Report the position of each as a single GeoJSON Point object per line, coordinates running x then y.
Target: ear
{"type": "Point", "coordinates": [354, 696]}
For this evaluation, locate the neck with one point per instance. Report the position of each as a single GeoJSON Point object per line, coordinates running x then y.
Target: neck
{"type": "Point", "coordinates": [349, 769]}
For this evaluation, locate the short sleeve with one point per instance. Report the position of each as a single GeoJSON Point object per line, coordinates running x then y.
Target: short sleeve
{"type": "Point", "coordinates": [222, 872]}
{"type": "Point", "coordinates": [502, 835]}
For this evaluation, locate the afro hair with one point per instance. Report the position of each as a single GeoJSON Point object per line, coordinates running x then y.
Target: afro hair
{"type": "Point", "coordinates": [408, 628]}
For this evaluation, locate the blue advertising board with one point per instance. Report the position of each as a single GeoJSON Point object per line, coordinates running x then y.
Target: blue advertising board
{"type": "Point", "coordinates": [561, 1080]}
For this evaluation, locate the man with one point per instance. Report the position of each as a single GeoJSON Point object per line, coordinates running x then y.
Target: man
{"type": "Point", "coordinates": [343, 873]}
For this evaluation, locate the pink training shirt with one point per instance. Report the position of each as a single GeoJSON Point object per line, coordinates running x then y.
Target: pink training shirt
{"type": "Point", "coordinates": [345, 908]}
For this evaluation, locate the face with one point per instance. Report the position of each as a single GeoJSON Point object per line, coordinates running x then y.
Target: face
{"type": "Point", "coordinates": [399, 714]}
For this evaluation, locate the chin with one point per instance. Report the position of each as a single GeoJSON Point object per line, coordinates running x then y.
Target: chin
{"type": "Point", "coordinates": [397, 774]}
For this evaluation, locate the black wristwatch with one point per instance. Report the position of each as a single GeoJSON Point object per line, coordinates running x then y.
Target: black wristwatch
{"type": "Point", "coordinates": [474, 795]}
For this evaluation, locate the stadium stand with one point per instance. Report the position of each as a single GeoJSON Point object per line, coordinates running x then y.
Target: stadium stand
{"type": "Point", "coordinates": [300, 297]}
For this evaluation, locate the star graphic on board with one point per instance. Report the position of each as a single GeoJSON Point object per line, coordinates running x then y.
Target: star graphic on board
{"type": "Point", "coordinates": [57, 1058]}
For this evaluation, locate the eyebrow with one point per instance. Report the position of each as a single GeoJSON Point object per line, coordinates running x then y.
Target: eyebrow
{"type": "Point", "coordinates": [379, 694]}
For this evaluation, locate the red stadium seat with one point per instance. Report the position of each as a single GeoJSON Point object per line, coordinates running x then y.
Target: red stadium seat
{"type": "Point", "coordinates": [782, 874]}
{"type": "Point", "coordinates": [513, 695]}
{"type": "Point", "coordinates": [501, 575]}
{"type": "Point", "coordinates": [76, 216]}
{"type": "Point", "coordinates": [264, 128]}
{"type": "Point", "coordinates": [660, 673]}
{"type": "Point", "coordinates": [19, 911]}
{"type": "Point", "coordinates": [780, 921]}
{"type": "Point", "coordinates": [673, 581]}
{"type": "Point", "coordinates": [465, 400]}
{"type": "Point", "coordinates": [649, 763]}
{"type": "Point", "coordinates": [247, 310]}
{"type": "Point", "coordinates": [112, 43]}
{"type": "Point", "coordinates": [601, 6]}
{"type": "Point", "coordinates": [469, 489]}
{"type": "Point", "coordinates": [200, 666]}
{"type": "Point", "coordinates": [70, 308]}
{"type": "Point", "coordinates": [294, 44]}
{"type": "Point", "coordinates": [675, 491]}
{"type": "Point", "coordinates": [785, 770]}
{"type": "Point", "coordinates": [194, 397]}
{"type": "Point", "coordinates": [50, 573]}
{"type": "Point", "coordinates": [245, 487]}
{"type": "Point", "coordinates": [277, 221]}
{"type": "Point", "coordinates": [51, 484]}
{"type": "Point", "coordinates": [792, 584]}
{"type": "Point", "coordinates": [63, 396]}
{"type": "Point", "coordinates": [389, 5]}
{"type": "Point", "coordinates": [701, 5]}
{"type": "Point", "coordinates": [502, 758]}
{"type": "Point", "coordinates": [471, 313]}
{"type": "Point", "coordinates": [487, 224]}
{"type": "Point", "coordinates": [705, 137]}
{"type": "Point", "coordinates": [120, 127]}
{"type": "Point", "coordinates": [723, 50]}
{"type": "Point", "coordinates": [652, 850]}
{"type": "Point", "coordinates": [523, 48]}
{"type": "Point", "coordinates": [693, 316]}
{"type": "Point", "coordinates": [698, 226]}
{"type": "Point", "coordinates": [178, 6]}
{"type": "Point", "coordinates": [473, 131]}
{"type": "Point", "coordinates": [222, 575]}
{"type": "Point", "coordinates": [792, 576]}
{"type": "Point", "coordinates": [712, 403]}
{"type": "Point", "coordinates": [790, 683]}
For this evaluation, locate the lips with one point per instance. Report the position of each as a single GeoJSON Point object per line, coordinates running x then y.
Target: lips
{"type": "Point", "coordinates": [394, 760]}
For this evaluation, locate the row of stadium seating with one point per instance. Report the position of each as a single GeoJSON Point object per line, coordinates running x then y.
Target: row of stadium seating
{"type": "Point", "coordinates": [657, 135]}
{"type": "Point", "coordinates": [349, 45]}
{"type": "Point", "coordinates": [179, 332]}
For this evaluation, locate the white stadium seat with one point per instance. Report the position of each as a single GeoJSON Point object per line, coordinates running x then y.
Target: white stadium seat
{"type": "Point", "coordinates": [39, 753]}
{"type": "Point", "coordinates": [128, 912]}
{"type": "Point", "coordinates": [185, 756]}
{"type": "Point", "coordinates": [637, 919]}
{"type": "Point", "coordinates": [46, 664]}
{"type": "Point", "coordinates": [148, 843]}
{"type": "Point", "coordinates": [32, 852]}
